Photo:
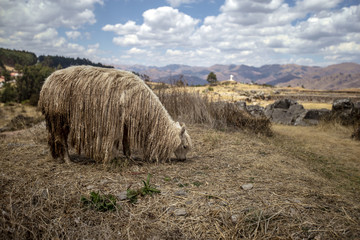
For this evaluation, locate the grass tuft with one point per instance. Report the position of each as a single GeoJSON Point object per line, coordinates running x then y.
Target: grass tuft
{"type": "Point", "coordinates": [100, 202]}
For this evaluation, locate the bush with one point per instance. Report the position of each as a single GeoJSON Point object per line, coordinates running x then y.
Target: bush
{"type": "Point", "coordinates": [9, 93]}
{"type": "Point", "coordinates": [193, 108]}
{"type": "Point", "coordinates": [29, 85]}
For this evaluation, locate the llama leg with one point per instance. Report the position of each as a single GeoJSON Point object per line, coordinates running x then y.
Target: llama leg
{"type": "Point", "coordinates": [64, 139]}
{"type": "Point", "coordinates": [126, 142]}
{"type": "Point", "coordinates": [66, 154]}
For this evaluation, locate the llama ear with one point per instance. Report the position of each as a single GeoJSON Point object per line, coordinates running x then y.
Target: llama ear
{"type": "Point", "coordinates": [182, 130]}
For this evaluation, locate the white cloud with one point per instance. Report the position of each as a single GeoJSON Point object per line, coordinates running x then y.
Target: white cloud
{"type": "Point", "coordinates": [93, 49]}
{"type": "Point", "coordinates": [253, 32]}
{"type": "Point", "coordinates": [316, 5]}
{"type": "Point", "coordinates": [171, 52]}
{"type": "Point", "coordinates": [162, 26]}
{"type": "Point", "coordinates": [127, 40]}
{"type": "Point", "coordinates": [33, 24]}
{"type": "Point", "coordinates": [129, 27]}
{"type": "Point", "coordinates": [135, 50]}
{"type": "Point", "coordinates": [345, 47]}
{"type": "Point", "coordinates": [73, 34]}
{"type": "Point", "coordinates": [177, 3]}
{"type": "Point", "coordinates": [75, 47]}
{"type": "Point", "coordinates": [48, 34]}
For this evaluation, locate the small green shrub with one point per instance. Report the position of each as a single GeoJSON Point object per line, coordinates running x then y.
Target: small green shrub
{"type": "Point", "coordinates": [100, 202]}
{"type": "Point", "coordinates": [197, 183]}
{"type": "Point", "coordinates": [147, 189]}
{"type": "Point", "coordinates": [132, 195]}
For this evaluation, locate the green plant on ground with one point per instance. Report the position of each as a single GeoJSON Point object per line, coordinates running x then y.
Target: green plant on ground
{"type": "Point", "coordinates": [147, 189]}
{"type": "Point", "coordinates": [197, 183]}
{"type": "Point", "coordinates": [100, 202]}
{"type": "Point", "coordinates": [132, 195]}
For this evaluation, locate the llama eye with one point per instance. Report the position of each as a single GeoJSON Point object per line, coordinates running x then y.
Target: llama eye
{"type": "Point", "coordinates": [184, 147]}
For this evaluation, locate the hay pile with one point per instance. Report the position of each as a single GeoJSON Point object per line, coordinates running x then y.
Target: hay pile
{"type": "Point", "coordinates": [99, 110]}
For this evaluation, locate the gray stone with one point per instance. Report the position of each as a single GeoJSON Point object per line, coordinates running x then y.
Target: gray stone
{"type": "Point", "coordinates": [223, 203]}
{"type": "Point", "coordinates": [284, 111]}
{"type": "Point", "coordinates": [180, 212]}
{"type": "Point", "coordinates": [180, 193]}
{"type": "Point", "coordinates": [342, 105]}
{"type": "Point", "coordinates": [241, 105]}
{"type": "Point", "coordinates": [247, 186]}
{"type": "Point", "coordinates": [122, 196]}
{"type": "Point", "coordinates": [357, 106]}
{"type": "Point", "coordinates": [235, 218]}
{"type": "Point", "coordinates": [311, 117]}
{"type": "Point", "coordinates": [276, 92]}
{"type": "Point", "coordinates": [256, 110]}
{"type": "Point", "coordinates": [284, 103]}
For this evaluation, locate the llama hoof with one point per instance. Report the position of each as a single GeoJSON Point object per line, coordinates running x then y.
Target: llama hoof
{"type": "Point", "coordinates": [67, 161]}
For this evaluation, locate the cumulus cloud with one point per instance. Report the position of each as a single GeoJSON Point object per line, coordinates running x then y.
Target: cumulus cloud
{"type": "Point", "coordinates": [316, 5]}
{"type": "Point", "coordinates": [73, 34]}
{"type": "Point", "coordinates": [33, 24]}
{"type": "Point", "coordinates": [48, 34]}
{"type": "Point", "coordinates": [161, 26]}
{"type": "Point", "coordinates": [177, 3]}
{"type": "Point", "coordinates": [253, 32]}
{"type": "Point", "coordinates": [135, 50]}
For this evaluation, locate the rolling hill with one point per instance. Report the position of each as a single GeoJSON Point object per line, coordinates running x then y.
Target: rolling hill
{"type": "Point", "coordinates": [333, 77]}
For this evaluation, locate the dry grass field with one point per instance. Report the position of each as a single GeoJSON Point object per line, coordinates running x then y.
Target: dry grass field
{"type": "Point", "coordinates": [310, 99]}
{"type": "Point", "coordinates": [305, 184]}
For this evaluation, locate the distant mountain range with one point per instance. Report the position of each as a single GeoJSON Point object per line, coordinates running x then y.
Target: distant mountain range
{"type": "Point", "coordinates": [333, 77]}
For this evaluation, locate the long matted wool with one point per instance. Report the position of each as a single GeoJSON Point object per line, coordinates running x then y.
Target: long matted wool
{"type": "Point", "coordinates": [91, 107]}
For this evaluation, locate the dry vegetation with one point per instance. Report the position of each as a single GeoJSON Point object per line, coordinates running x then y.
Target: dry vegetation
{"type": "Point", "coordinates": [306, 185]}
{"type": "Point", "coordinates": [311, 99]}
{"type": "Point", "coordinates": [191, 107]}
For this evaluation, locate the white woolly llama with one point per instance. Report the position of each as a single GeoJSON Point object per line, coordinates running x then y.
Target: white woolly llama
{"type": "Point", "coordinates": [99, 109]}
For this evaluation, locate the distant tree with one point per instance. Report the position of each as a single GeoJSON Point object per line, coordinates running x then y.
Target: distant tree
{"type": "Point", "coordinates": [6, 75]}
{"type": "Point", "coordinates": [8, 93]}
{"type": "Point", "coordinates": [55, 61]}
{"type": "Point", "coordinates": [12, 57]}
{"type": "Point", "coordinates": [29, 85]}
{"type": "Point", "coordinates": [211, 78]}
{"type": "Point", "coordinates": [181, 81]}
{"type": "Point", "coordinates": [144, 77]}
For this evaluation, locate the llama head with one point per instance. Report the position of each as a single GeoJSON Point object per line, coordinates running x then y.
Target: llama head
{"type": "Point", "coordinates": [185, 145]}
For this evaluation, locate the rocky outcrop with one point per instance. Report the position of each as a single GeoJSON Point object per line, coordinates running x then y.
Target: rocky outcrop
{"type": "Point", "coordinates": [254, 110]}
{"type": "Point", "coordinates": [312, 117]}
{"type": "Point", "coordinates": [345, 112]}
{"type": "Point", "coordinates": [290, 112]}
{"type": "Point", "coordinates": [284, 111]}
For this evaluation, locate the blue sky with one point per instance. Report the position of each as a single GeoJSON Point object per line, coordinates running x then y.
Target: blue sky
{"type": "Point", "coordinates": [192, 32]}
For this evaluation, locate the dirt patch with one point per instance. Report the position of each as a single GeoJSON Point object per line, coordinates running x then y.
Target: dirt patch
{"type": "Point", "coordinates": [288, 200]}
